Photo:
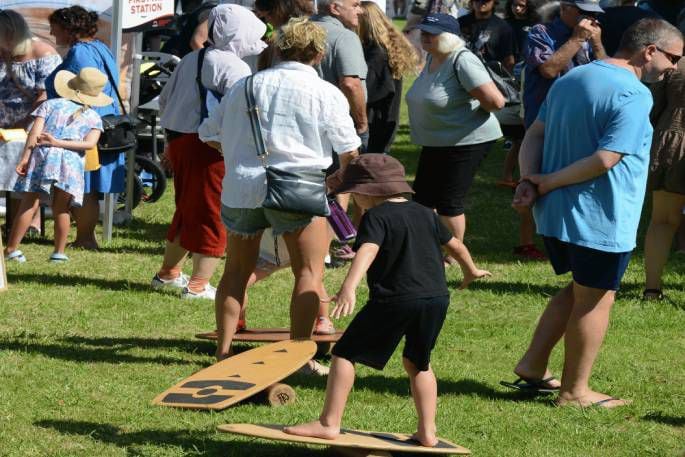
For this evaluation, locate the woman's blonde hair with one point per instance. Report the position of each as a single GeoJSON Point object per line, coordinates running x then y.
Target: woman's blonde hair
{"type": "Point", "coordinates": [301, 40]}
{"type": "Point", "coordinates": [375, 27]}
{"type": "Point", "coordinates": [13, 28]}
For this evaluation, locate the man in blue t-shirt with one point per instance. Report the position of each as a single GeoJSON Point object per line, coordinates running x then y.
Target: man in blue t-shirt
{"type": "Point", "coordinates": [584, 162]}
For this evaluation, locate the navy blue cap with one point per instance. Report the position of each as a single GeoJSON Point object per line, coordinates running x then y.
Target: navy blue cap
{"type": "Point", "coordinates": [590, 6]}
{"type": "Point", "coordinates": [436, 24]}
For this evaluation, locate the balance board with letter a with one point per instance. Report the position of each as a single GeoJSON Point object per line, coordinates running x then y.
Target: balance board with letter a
{"type": "Point", "coordinates": [383, 442]}
{"type": "Point", "coordinates": [239, 377]}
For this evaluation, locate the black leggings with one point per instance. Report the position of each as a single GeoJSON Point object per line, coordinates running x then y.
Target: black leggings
{"type": "Point", "coordinates": [445, 174]}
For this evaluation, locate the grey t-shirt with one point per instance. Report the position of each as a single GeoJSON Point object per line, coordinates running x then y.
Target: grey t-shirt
{"type": "Point", "coordinates": [441, 111]}
{"type": "Point", "coordinates": [344, 52]}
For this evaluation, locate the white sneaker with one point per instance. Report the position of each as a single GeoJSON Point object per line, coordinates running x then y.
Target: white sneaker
{"type": "Point", "coordinates": [209, 293]}
{"type": "Point", "coordinates": [180, 282]}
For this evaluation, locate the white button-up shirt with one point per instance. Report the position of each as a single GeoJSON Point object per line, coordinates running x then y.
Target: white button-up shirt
{"type": "Point", "coordinates": [304, 120]}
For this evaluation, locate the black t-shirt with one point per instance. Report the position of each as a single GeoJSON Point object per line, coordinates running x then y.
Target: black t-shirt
{"type": "Point", "coordinates": [409, 262]}
{"type": "Point", "coordinates": [492, 37]}
{"type": "Point", "coordinates": [520, 27]}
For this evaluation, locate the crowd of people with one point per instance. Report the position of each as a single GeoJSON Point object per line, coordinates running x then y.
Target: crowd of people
{"type": "Point", "coordinates": [283, 90]}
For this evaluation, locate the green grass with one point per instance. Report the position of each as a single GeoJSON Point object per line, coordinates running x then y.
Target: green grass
{"type": "Point", "coordinates": [85, 346]}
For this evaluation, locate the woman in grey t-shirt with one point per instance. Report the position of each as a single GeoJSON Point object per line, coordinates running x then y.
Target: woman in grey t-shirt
{"type": "Point", "coordinates": [450, 106]}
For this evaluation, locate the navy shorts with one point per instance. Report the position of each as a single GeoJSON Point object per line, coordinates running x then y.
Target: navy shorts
{"type": "Point", "coordinates": [590, 267]}
{"type": "Point", "coordinates": [374, 333]}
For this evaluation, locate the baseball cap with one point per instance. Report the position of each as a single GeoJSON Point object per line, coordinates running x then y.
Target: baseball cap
{"type": "Point", "coordinates": [438, 23]}
{"type": "Point", "coordinates": [590, 6]}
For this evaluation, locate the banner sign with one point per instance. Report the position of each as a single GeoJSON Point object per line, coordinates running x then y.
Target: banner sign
{"type": "Point", "coordinates": [146, 14]}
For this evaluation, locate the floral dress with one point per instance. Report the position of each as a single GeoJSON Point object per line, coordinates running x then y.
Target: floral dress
{"type": "Point", "coordinates": [51, 166]}
{"type": "Point", "coordinates": [19, 86]}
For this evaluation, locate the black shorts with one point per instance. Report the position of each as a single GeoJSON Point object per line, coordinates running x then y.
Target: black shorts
{"type": "Point", "coordinates": [374, 333]}
{"type": "Point", "coordinates": [590, 267]}
{"type": "Point", "coordinates": [445, 174]}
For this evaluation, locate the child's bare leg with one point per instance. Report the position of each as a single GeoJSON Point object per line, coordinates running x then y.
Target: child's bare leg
{"type": "Point", "coordinates": [22, 221]}
{"type": "Point", "coordinates": [424, 390]}
{"type": "Point", "coordinates": [340, 381]}
{"type": "Point", "coordinates": [60, 213]}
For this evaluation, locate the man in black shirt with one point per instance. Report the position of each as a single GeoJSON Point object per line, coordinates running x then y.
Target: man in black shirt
{"type": "Point", "coordinates": [488, 35]}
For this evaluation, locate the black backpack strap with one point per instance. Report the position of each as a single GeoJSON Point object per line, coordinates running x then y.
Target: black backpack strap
{"type": "Point", "coordinates": [198, 80]}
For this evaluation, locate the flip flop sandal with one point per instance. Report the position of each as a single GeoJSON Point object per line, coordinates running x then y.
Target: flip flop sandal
{"type": "Point", "coordinates": [58, 258]}
{"type": "Point", "coordinates": [16, 256]}
{"type": "Point", "coordinates": [537, 386]}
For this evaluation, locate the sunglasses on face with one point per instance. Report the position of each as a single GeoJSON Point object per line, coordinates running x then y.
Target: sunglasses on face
{"type": "Point", "coordinates": [672, 57]}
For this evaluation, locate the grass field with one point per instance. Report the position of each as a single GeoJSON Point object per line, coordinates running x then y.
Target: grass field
{"type": "Point", "coordinates": [85, 346]}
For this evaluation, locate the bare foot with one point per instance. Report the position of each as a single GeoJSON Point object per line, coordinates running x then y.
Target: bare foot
{"type": "Point", "coordinates": [591, 399]}
{"type": "Point", "coordinates": [524, 373]}
{"type": "Point", "coordinates": [223, 355]}
{"type": "Point", "coordinates": [315, 429]}
{"type": "Point", "coordinates": [426, 439]}
{"type": "Point", "coordinates": [472, 276]}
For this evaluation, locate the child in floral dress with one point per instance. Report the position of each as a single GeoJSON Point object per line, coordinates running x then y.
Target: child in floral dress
{"type": "Point", "coordinates": [53, 160]}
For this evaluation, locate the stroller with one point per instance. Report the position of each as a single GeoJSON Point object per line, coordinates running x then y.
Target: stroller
{"type": "Point", "coordinates": [149, 177]}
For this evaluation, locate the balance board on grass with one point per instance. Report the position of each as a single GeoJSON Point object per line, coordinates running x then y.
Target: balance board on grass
{"type": "Point", "coordinates": [239, 377]}
{"type": "Point", "coordinates": [350, 439]}
{"type": "Point", "coordinates": [268, 335]}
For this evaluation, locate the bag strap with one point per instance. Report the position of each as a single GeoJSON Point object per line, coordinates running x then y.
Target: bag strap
{"type": "Point", "coordinates": [253, 112]}
{"type": "Point", "coordinates": [454, 66]}
{"type": "Point", "coordinates": [111, 79]}
{"type": "Point", "coordinates": [201, 88]}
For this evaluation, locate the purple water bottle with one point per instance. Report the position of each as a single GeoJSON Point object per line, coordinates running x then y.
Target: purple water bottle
{"type": "Point", "coordinates": [340, 222]}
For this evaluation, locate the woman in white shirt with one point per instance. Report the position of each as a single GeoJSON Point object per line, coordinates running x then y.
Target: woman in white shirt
{"type": "Point", "coordinates": [305, 120]}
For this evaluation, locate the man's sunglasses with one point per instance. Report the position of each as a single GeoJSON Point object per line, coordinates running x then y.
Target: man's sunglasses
{"type": "Point", "coordinates": [674, 58]}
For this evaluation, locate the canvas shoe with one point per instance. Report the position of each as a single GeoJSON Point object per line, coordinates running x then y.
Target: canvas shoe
{"type": "Point", "coordinates": [314, 368]}
{"type": "Point", "coordinates": [209, 293]}
{"type": "Point", "coordinates": [180, 282]}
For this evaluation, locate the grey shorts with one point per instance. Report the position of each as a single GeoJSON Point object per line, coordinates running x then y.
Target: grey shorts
{"type": "Point", "coordinates": [250, 221]}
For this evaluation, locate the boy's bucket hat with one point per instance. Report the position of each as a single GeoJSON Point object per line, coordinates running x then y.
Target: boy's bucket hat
{"type": "Point", "coordinates": [84, 88]}
{"type": "Point", "coordinates": [378, 175]}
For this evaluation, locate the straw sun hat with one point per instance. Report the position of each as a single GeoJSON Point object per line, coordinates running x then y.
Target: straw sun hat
{"type": "Point", "coordinates": [84, 88]}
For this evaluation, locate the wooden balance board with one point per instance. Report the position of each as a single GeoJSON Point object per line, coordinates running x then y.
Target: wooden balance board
{"type": "Point", "coordinates": [381, 442]}
{"type": "Point", "coordinates": [268, 335]}
{"type": "Point", "coordinates": [239, 377]}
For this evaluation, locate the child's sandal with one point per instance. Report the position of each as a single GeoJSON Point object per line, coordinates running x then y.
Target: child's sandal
{"type": "Point", "coordinates": [16, 256]}
{"type": "Point", "coordinates": [58, 258]}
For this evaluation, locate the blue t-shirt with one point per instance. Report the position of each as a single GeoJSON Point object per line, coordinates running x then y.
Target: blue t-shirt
{"type": "Point", "coordinates": [89, 54]}
{"type": "Point", "coordinates": [596, 106]}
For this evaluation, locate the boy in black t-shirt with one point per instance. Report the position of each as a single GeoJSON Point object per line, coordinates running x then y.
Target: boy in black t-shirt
{"type": "Point", "coordinates": [399, 247]}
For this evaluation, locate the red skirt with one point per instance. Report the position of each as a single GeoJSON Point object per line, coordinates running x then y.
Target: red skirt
{"type": "Point", "coordinates": [198, 172]}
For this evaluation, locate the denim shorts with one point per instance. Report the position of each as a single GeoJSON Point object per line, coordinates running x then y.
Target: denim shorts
{"type": "Point", "coordinates": [590, 267]}
{"type": "Point", "coordinates": [251, 221]}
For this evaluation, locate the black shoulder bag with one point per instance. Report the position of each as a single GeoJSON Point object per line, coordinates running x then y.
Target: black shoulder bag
{"type": "Point", "coordinates": [295, 190]}
{"type": "Point", "coordinates": [119, 130]}
{"type": "Point", "coordinates": [504, 81]}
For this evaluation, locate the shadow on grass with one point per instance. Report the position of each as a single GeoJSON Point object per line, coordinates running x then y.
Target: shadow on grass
{"type": "Point", "coordinates": [501, 287]}
{"type": "Point", "coordinates": [190, 345]}
{"type": "Point", "coordinates": [76, 352]}
{"type": "Point", "coordinates": [46, 279]}
{"type": "Point", "coordinates": [400, 387]}
{"type": "Point", "coordinates": [675, 421]}
{"type": "Point", "coordinates": [190, 442]}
